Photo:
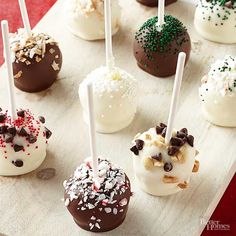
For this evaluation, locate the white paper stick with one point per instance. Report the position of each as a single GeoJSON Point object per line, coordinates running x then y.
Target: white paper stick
{"type": "Point", "coordinates": [175, 95]}
{"type": "Point", "coordinates": [161, 12]}
{"type": "Point", "coordinates": [92, 135]}
{"type": "Point", "coordinates": [25, 17]}
{"type": "Point", "coordinates": [108, 35]}
{"type": "Point", "coordinates": [7, 53]}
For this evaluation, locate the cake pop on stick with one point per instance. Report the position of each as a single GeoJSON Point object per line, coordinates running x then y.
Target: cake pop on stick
{"type": "Point", "coordinates": [158, 42]}
{"type": "Point", "coordinates": [154, 3]}
{"type": "Point", "coordinates": [164, 158]}
{"type": "Point", "coordinates": [98, 193]}
{"type": "Point", "coordinates": [115, 91]}
{"type": "Point", "coordinates": [23, 138]}
{"type": "Point", "coordinates": [37, 58]}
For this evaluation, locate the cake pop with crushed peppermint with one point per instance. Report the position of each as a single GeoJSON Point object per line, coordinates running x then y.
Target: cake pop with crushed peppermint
{"type": "Point", "coordinates": [158, 42]}
{"type": "Point", "coordinates": [36, 57]}
{"type": "Point", "coordinates": [218, 92]}
{"type": "Point", "coordinates": [23, 142]}
{"type": "Point", "coordinates": [215, 20]}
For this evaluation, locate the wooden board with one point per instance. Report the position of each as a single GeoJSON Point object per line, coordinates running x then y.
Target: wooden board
{"type": "Point", "coordinates": [31, 206]}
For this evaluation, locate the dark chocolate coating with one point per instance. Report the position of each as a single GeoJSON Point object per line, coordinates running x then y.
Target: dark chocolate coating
{"type": "Point", "coordinates": [38, 76]}
{"type": "Point", "coordinates": [154, 3]}
{"type": "Point", "coordinates": [109, 221]}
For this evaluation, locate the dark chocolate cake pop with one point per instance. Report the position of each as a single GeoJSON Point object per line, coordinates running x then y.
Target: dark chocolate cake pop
{"type": "Point", "coordinates": [102, 206]}
{"type": "Point", "coordinates": [154, 3]}
{"type": "Point", "coordinates": [156, 51]}
{"type": "Point", "coordinates": [37, 61]}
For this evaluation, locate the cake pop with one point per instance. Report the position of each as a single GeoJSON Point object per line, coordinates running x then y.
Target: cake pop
{"type": "Point", "coordinates": [154, 3]}
{"type": "Point", "coordinates": [163, 158]}
{"type": "Point", "coordinates": [98, 193]}
{"type": "Point", "coordinates": [85, 18]}
{"type": "Point", "coordinates": [158, 42]}
{"type": "Point", "coordinates": [215, 20]}
{"type": "Point", "coordinates": [115, 90]}
{"type": "Point", "coordinates": [36, 57]}
{"type": "Point", "coordinates": [218, 93]}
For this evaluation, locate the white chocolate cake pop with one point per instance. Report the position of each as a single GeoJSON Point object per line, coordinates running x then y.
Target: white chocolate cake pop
{"type": "Point", "coordinates": [215, 20]}
{"type": "Point", "coordinates": [23, 143]}
{"type": "Point", "coordinates": [85, 18]}
{"type": "Point", "coordinates": [162, 169]}
{"type": "Point", "coordinates": [218, 93]}
{"type": "Point", "coordinates": [115, 98]}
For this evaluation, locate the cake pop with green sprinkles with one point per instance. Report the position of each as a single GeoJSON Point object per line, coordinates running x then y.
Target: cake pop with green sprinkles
{"type": "Point", "coordinates": [156, 46]}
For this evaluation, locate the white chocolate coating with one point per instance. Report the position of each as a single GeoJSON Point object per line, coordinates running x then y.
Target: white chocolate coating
{"type": "Point", "coordinates": [218, 93]}
{"type": "Point", "coordinates": [32, 155]}
{"type": "Point", "coordinates": [85, 18]}
{"type": "Point", "coordinates": [216, 23]}
{"type": "Point", "coordinates": [150, 174]}
{"type": "Point", "coordinates": [115, 98]}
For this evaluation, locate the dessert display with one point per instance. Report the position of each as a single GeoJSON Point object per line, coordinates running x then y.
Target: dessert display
{"type": "Point", "coordinates": [115, 90]}
{"type": "Point", "coordinates": [85, 18]}
{"type": "Point", "coordinates": [156, 45]}
{"type": "Point", "coordinates": [115, 98]}
{"type": "Point", "coordinates": [163, 169]}
{"type": "Point", "coordinates": [100, 207]}
{"type": "Point", "coordinates": [154, 3]}
{"type": "Point", "coordinates": [23, 142]}
{"type": "Point", "coordinates": [218, 93]}
{"type": "Point", "coordinates": [215, 20]}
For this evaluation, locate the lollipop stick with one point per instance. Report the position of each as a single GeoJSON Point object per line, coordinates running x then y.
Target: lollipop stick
{"type": "Point", "coordinates": [161, 12]}
{"type": "Point", "coordinates": [108, 34]}
{"type": "Point", "coordinates": [92, 136]}
{"type": "Point", "coordinates": [7, 53]}
{"type": "Point", "coordinates": [175, 95]}
{"type": "Point", "coordinates": [25, 17]}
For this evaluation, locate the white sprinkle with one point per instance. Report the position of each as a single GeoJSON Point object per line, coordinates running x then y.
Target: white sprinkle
{"type": "Point", "coordinates": [55, 66]}
{"type": "Point", "coordinates": [121, 210]}
{"type": "Point", "coordinates": [115, 211]}
{"type": "Point", "coordinates": [83, 208]}
{"type": "Point", "coordinates": [90, 206]}
{"type": "Point", "coordinates": [67, 202]}
{"type": "Point", "coordinates": [123, 202]}
{"type": "Point", "coordinates": [107, 210]}
{"type": "Point", "coordinates": [93, 218]}
{"type": "Point", "coordinates": [97, 225]}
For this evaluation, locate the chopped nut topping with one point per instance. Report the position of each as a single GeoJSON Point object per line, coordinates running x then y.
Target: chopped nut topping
{"type": "Point", "coordinates": [148, 137]}
{"type": "Point", "coordinates": [183, 185]}
{"type": "Point", "coordinates": [170, 179]}
{"type": "Point", "coordinates": [148, 163]}
{"type": "Point", "coordinates": [18, 75]}
{"type": "Point", "coordinates": [196, 166]}
{"type": "Point", "coordinates": [158, 163]}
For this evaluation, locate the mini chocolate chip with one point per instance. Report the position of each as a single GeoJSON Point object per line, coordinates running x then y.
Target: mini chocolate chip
{"type": "Point", "coordinates": [163, 134]}
{"type": "Point", "coordinates": [159, 129]}
{"type": "Point", "coordinates": [18, 163]}
{"type": "Point", "coordinates": [21, 113]}
{"type": "Point", "coordinates": [48, 133]}
{"type": "Point", "coordinates": [190, 140]}
{"type": "Point", "coordinates": [181, 135]}
{"type": "Point", "coordinates": [3, 129]}
{"type": "Point", "coordinates": [135, 150]}
{"type": "Point", "coordinates": [2, 117]}
{"type": "Point", "coordinates": [42, 119]}
{"type": "Point", "coordinates": [157, 157]}
{"type": "Point", "coordinates": [172, 150]}
{"type": "Point", "coordinates": [17, 148]}
{"type": "Point", "coordinates": [139, 144]}
{"type": "Point", "coordinates": [8, 138]}
{"type": "Point", "coordinates": [184, 130]}
{"type": "Point", "coordinates": [23, 132]}
{"type": "Point", "coordinates": [32, 138]}
{"type": "Point", "coordinates": [168, 166]}
{"type": "Point", "coordinates": [12, 130]}
{"type": "Point", "coordinates": [176, 142]}
{"type": "Point", "coordinates": [162, 125]}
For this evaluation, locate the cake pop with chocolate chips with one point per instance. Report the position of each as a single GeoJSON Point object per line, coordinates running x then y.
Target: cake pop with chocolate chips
{"type": "Point", "coordinates": [23, 142]}
{"type": "Point", "coordinates": [36, 57]}
{"type": "Point", "coordinates": [158, 42]}
{"type": "Point", "coordinates": [85, 18]}
{"type": "Point", "coordinates": [215, 20]}
{"type": "Point", "coordinates": [154, 3]}
{"type": "Point", "coordinates": [218, 93]}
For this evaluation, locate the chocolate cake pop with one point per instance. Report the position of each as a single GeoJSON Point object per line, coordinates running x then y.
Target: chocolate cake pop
{"type": "Point", "coordinates": [156, 49]}
{"type": "Point", "coordinates": [163, 169]}
{"type": "Point", "coordinates": [37, 61]}
{"type": "Point", "coordinates": [85, 18]}
{"type": "Point", "coordinates": [215, 20]}
{"type": "Point", "coordinates": [98, 207]}
{"type": "Point", "coordinates": [154, 3]}
{"type": "Point", "coordinates": [218, 93]}
{"type": "Point", "coordinates": [23, 142]}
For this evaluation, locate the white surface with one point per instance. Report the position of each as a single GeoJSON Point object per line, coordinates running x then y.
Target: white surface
{"type": "Point", "coordinates": [31, 206]}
